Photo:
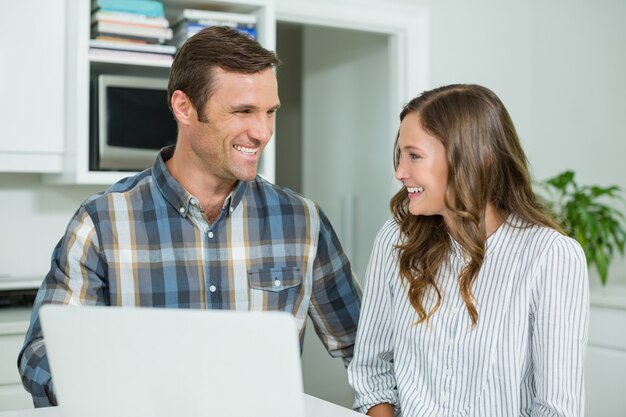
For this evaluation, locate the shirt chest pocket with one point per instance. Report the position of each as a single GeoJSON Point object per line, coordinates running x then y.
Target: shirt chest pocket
{"type": "Point", "coordinates": [275, 289]}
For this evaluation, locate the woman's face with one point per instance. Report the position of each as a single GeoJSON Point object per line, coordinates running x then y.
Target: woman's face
{"type": "Point", "coordinates": [422, 168]}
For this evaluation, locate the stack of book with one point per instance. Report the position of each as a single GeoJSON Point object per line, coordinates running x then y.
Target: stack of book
{"type": "Point", "coordinates": [130, 29]}
{"type": "Point", "coordinates": [191, 21]}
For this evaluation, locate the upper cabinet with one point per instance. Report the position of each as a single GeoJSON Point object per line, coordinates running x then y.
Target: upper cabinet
{"type": "Point", "coordinates": [82, 70]}
{"type": "Point", "coordinates": [32, 82]}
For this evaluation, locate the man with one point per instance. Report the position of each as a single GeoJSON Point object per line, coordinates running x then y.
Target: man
{"type": "Point", "coordinates": [200, 229]}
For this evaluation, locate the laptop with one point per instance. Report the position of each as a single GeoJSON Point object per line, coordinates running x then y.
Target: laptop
{"type": "Point", "coordinates": [149, 362]}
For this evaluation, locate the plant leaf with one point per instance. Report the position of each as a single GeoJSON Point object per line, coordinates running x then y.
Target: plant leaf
{"type": "Point", "coordinates": [588, 213]}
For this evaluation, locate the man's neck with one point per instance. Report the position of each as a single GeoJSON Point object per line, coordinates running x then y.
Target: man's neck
{"type": "Point", "coordinates": [210, 191]}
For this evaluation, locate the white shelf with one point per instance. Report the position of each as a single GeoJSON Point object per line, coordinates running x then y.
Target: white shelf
{"type": "Point", "coordinates": [144, 62]}
{"type": "Point", "coordinates": [14, 320]}
{"type": "Point", "coordinates": [8, 282]}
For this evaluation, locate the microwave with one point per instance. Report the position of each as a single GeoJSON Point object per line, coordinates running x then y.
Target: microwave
{"type": "Point", "coordinates": [130, 122]}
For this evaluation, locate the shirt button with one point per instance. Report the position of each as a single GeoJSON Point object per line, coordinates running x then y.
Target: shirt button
{"type": "Point", "coordinates": [450, 342]}
{"type": "Point", "coordinates": [456, 310]}
{"type": "Point", "coordinates": [181, 210]}
{"type": "Point", "coordinates": [445, 397]}
{"type": "Point", "coordinates": [232, 209]}
{"type": "Point", "coordinates": [210, 235]}
{"type": "Point", "coordinates": [194, 201]}
{"type": "Point", "coordinates": [277, 283]}
{"type": "Point", "coordinates": [212, 288]}
{"type": "Point", "coordinates": [448, 372]}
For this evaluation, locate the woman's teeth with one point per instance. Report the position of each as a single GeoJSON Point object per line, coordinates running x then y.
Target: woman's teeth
{"type": "Point", "coordinates": [415, 189]}
{"type": "Point", "coordinates": [242, 149]}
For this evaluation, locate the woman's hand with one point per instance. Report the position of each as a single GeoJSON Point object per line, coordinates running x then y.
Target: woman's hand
{"type": "Point", "coordinates": [381, 410]}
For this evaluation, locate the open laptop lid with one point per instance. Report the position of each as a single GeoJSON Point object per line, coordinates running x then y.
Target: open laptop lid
{"type": "Point", "coordinates": [147, 362]}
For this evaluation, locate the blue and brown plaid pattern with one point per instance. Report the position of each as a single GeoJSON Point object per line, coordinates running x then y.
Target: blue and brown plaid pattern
{"type": "Point", "coordinates": [145, 243]}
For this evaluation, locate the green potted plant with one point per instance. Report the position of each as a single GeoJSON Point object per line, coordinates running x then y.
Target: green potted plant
{"type": "Point", "coordinates": [588, 213]}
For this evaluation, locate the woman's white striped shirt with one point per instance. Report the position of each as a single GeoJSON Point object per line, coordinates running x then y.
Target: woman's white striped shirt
{"type": "Point", "coordinates": [525, 356]}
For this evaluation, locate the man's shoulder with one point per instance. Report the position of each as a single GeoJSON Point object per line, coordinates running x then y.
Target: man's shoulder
{"type": "Point", "coordinates": [275, 194]}
{"type": "Point", "coordinates": [126, 187]}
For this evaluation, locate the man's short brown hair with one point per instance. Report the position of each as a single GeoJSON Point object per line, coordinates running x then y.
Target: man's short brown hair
{"type": "Point", "coordinates": [214, 47]}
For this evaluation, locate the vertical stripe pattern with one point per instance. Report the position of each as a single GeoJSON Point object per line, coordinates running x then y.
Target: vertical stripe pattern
{"type": "Point", "coordinates": [525, 356]}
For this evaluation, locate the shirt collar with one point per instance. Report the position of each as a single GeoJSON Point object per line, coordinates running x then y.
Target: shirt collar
{"type": "Point", "coordinates": [176, 194]}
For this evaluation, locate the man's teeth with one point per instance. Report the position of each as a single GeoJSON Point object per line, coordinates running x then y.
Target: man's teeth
{"type": "Point", "coordinates": [247, 151]}
{"type": "Point", "coordinates": [415, 189]}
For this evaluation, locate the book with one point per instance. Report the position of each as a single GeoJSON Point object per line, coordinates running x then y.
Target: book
{"type": "Point", "coordinates": [152, 8]}
{"type": "Point", "coordinates": [119, 56]}
{"type": "Point", "coordinates": [210, 15]}
{"type": "Point", "coordinates": [128, 24]}
{"type": "Point", "coordinates": [131, 18]}
{"type": "Point", "coordinates": [186, 29]}
{"type": "Point", "coordinates": [132, 30]}
{"type": "Point", "coordinates": [131, 45]}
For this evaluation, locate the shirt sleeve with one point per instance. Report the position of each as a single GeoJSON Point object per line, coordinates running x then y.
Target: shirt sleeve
{"type": "Point", "coordinates": [560, 309]}
{"type": "Point", "coordinates": [335, 296]}
{"type": "Point", "coordinates": [371, 373]}
{"type": "Point", "coordinates": [76, 278]}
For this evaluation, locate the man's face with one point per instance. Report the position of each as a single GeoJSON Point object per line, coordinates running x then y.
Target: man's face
{"type": "Point", "coordinates": [240, 116]}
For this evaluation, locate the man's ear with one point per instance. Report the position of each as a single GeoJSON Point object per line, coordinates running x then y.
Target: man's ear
{"type": "Point", "coordinates": [182, 108]}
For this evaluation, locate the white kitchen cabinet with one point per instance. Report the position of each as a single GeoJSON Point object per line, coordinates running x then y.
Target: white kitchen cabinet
{"type": "Point", "coordinates": [13, 326]}
{"type": "Point", "coordinates": [32, 82]}
{"type": "Point", "coordinates": [80, 68]}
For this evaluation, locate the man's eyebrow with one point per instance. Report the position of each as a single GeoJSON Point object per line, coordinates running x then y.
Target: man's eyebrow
{"type": "Point", "coordinates": [252, 107]}
{"type": "Point", "coordinates": [243, 107]}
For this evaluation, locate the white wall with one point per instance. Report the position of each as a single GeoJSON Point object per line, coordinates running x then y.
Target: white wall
{"type": "Point", "coordinates": [578, 105]}
{"type": "Point", "coordinates": [559, 68]}
{"type": "Point", "coordinates": [33, 217]}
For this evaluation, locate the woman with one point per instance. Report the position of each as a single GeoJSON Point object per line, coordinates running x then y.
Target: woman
{"type": "Point", "coordinates": [475, 302]}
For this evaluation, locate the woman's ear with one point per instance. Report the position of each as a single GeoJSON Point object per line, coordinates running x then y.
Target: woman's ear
{"type": "Point", "coordinates": [182, 108]}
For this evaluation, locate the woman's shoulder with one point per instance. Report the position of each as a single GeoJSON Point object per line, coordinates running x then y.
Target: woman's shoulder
{"type": "Point", "coordinates": [544, 239]}
{"type": "Point", "coordinates": [389, 232]}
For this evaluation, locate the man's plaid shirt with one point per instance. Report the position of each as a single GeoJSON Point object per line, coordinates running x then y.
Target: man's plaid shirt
{"type": "Point", "coordinates": [145, 243]}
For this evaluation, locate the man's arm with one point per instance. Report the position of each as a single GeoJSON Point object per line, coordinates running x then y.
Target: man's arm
{"type": "Point", "coordinates": [336, 297]}
{"type": "Point", "coordinates": [75, 277]}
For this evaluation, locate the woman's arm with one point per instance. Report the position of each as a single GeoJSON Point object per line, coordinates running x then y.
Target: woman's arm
{"type": "Point", "coordinates": [559, 334]}
{"type": "Point", "coordinates": [371, 372]}
{"type": "Point", "coordinates": [381, 410]}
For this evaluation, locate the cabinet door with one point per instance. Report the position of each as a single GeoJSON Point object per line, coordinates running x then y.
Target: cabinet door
{"type": "Point", "coordinates": [32, 82]}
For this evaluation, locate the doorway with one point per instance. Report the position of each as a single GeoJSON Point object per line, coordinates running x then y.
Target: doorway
{"type": "Point", "coordinates": [333, 145]}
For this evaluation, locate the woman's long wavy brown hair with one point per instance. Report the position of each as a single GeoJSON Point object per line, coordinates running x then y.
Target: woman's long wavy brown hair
{"type": "Point", "coordinates": [486, 164]}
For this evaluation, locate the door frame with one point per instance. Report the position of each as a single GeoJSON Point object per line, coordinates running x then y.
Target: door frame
{"type": "Point", "coordinates": [407, 26]}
